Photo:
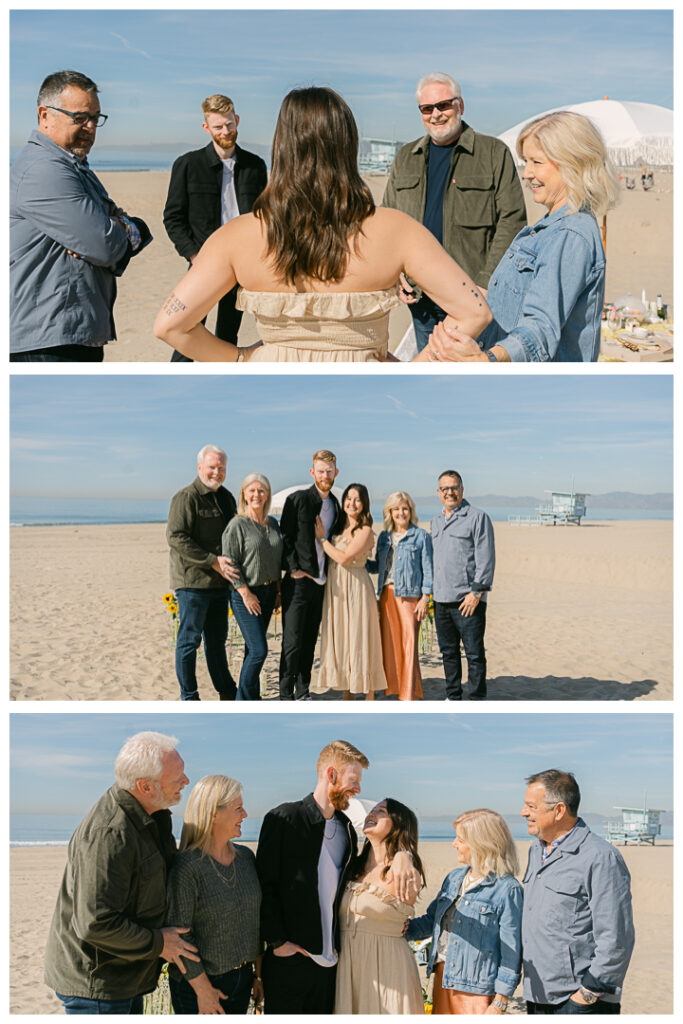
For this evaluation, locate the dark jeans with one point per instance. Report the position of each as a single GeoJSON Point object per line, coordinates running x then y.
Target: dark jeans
{"type": "Point", "coordinates": [452, 627]}
{"type": "Point", "coordinates": [203, 614]}
{"type": "Point", "coordinates": [228, 320]}
{"type": "Point", "coordinates": [77, 1004]}
{"type": "Point", "coordinates": [569, 1006]}
{"type": "Point", "coordinates": [302, 609]}
{"type": "Point", "coordinates": [426, 315]}
{"type": "Point", "coordinates": [296, 984]}
{"type": "Point", "coordinates": [254, 629]}
{"type": "Point", "coordinates": [235, 984]}
{"type": "Point", "coordinates": [61, 354]}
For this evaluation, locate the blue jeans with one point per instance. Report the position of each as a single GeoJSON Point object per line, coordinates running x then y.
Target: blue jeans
{"type": "Point", "coordinates": [452, 627]}
{"type": "Point", "coordinates": [203, 614]}
{"type": "Point", "coordinates": [426, 315]}
{"type": "Point", "coordinates": [254, 629]}
{"type": "Point", "coordinates": [61, 354]}
{"type": "Point", "coordinates": [77, 1004]}
{"type": "Point", "coordinates": [236, 985]}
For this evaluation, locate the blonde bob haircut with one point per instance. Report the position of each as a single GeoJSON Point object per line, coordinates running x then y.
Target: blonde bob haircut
{"type": "Point", "coordinates": [492, 848]}
{"type": "Point", "coordinates": [209, 795]}
{"type": "Point", "coordinates": [250, 479]}
{"type": "Point", "coordinates": [574, 143]}
{"type": "Point", "coordinates": [340, 752]}
{"type": "Point", "coordinates": [395, 499]}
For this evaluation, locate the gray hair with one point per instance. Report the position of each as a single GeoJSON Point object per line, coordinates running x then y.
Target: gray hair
{"type": "Point", "coordinates": [438, 76]}
{"type": "Point", "coordinates": [209, 449]}
{"type": "Point", "coordinates": [560, 788]}
{"type": "Point", "coordinates": [251, 478]}
{"type": "Point", "coordinates": [140, 758]}
{"type": "Point", "coordinates": [55, 84]}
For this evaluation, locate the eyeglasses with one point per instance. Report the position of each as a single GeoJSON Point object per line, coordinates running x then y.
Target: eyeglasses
{"type": "Point", "coordinates": [428, 108]}
{"type": "Point", "coordinates": [451, 490]}
{"type": "Point", "coordinates": [81, 119]}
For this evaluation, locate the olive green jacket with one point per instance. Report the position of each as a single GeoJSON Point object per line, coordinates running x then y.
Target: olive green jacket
{"type": "Point", "coordinates": [196, 521]}
{"type": "Point", "coordinates": [105, 938]}
{"type": "Point", "coordinates": [483, 205]}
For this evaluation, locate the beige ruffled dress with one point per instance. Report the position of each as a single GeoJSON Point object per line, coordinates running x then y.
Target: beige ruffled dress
{"type": "Point", "coordinates": [351, 646]}
{"type": "Point", "coordinates": [377, 972]}
{"type": "Point", "coordinates": [310, 327]}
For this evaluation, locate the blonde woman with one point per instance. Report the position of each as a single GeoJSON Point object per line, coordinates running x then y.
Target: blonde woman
{"type": "Point", "coordinates": [214, 891]}
{"type": "Point", "coordinates": [476, 920]}
{"type": "Point", "coordinates": [253, 541]}
{"type": "Point", "coordinates": [403, 565]}
{"type": "Point", "coordinates": [547, 292]}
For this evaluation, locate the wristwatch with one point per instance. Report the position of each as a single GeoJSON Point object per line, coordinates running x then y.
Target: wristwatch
{"type": "Point", "coordinates": [490, 356]}
{"type": "Point", "coordinates": [503, 1007]}
{"type": "Point", "coordinates": [587, 995]}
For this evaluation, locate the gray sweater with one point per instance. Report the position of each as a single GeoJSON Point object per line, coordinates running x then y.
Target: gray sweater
{"type": "Point", "coordinates": [220, 905]}
{"type": "Point", "coordinates": [255, 550]}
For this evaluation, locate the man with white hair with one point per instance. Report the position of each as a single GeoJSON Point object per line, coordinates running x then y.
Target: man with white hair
{"type": "Point", "coordinates": [107, 942]}
{"type": "Point", "coordinates": [462, 186]}
{"type": "Point", "coordinates": [201, 575]}
{"type": "Point", "coordinates": [69, 241]}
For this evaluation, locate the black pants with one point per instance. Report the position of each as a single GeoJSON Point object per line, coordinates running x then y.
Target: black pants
{"type": "Point", "coordinates": [302, 608]}
{"type": "Point", "coordinates": [61, 354]}
{"type": "Point", "coordinates": [452, 627]}
{"type": "Point", "coordinates": [296, 984]}
{"type": "Point", "coordinates": [228, 320]}
{"type": "Point", "coordinates": [569, 1006]}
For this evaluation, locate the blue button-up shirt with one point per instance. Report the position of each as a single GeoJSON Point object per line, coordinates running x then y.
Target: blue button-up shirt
{"type": "Point", "coordinates": [464, 553]}
{"type": "Point", "coordinates": [547, 292]}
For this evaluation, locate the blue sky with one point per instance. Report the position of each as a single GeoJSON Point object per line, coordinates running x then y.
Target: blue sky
{"type": "Point", "coordinates": [437, 764]}
{"type": "Point", "coordinates": [155, 67]}
{"type": "Point", "coordinates": [136, 436]}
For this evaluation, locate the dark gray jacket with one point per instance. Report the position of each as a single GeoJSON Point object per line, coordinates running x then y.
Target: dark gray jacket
{"type": "Point", "coordinates": [196, 521]}
{"type": "Point", "coordinates": [58, 204]}
{"type": "Point", "coordinates": [577, 921]}
{"type": "Point", "coordinates": [105, 938]}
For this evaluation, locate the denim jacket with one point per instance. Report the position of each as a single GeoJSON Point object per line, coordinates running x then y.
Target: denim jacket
{"type": "Point", "coordinates": [412, 562]}
{"type": "Point", "coordinates": [547, 292]}
{"type": "Point", "coordinates": [484, 952]}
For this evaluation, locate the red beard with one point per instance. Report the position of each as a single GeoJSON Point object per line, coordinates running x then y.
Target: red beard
{"type": "Point", "coordinates": [339, 798]}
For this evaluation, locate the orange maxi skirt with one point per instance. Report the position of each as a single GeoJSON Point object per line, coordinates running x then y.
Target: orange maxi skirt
{"type": "Point", "coordinates": [448, 1000]}
{"type": "Point", "coordinates": [399, 629]}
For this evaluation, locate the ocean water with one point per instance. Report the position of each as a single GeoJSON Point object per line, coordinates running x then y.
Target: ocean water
{"type": "Point", "coordinates": [106, 511]}
{"type": "Point", "coordinates": [57, 829]}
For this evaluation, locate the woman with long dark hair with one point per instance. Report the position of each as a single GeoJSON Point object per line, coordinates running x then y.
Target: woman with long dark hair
{"type": "Point", "coordinates": [377, 972]}
{"type": "Point", "coordinates": [351, 648]}
{"type": "Point", "coordinates": [316, 260]}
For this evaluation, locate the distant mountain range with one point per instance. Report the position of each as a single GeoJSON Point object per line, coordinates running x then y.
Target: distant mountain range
{"type": "Point", "coordinates": [613, 499]}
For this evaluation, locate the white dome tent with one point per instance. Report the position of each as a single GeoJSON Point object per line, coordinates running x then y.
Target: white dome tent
{"type": "Point", "coordinates": [635, 133]}
{"type": "Point", "coordinates": [279, 499]}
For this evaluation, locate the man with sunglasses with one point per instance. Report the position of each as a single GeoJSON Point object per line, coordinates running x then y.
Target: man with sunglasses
{"type": "Point", "coordinates": [464, 563]}
{"type": "Point", "coordinates": [68, 240]}
{"type": "Point", "coordinates": [462, 186]}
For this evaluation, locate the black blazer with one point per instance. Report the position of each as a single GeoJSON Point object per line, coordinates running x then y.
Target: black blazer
{"type": "Point", "coordinates": [297, 525]}
{"type": "Point", "coordinates": [287, 864]}
{"type": "Point", "coordinates": [193, 205]}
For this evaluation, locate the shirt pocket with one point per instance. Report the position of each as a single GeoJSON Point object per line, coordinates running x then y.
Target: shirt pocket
{"type": "Point", "coordinates": [473, 203]}
{"type": "Point", "coordinates": [406, 181]}
{"type": "Point", "coordinates": [563, 898]}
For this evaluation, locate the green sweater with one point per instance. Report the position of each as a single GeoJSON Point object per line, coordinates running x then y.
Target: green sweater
{"type": "Point", "coordinates": [255, 550]}
{"type": "Point", "coordinates": [483, 205]}
{"type": "Point", "coordinates": [105, 938]}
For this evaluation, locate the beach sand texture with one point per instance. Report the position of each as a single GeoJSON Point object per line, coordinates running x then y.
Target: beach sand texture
{"type": "Point", "coordinates": [639, 255]}
{"type": "Point", "coordinates": [576, 614]}
{"type": "Point", "coordinates": [36, 872]}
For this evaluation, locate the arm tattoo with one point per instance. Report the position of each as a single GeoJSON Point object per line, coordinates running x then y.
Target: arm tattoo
{"type": "Point", "coordinates": [173, 305]}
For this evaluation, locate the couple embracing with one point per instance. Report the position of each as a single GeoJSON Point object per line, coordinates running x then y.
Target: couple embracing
{"type": "Point", "coordinates": [327, 546]}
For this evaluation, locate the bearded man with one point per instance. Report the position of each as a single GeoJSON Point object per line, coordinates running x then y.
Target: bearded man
{"type": "Point", "coordinates": [208, 188]}
{"type": "Point", "coordinates": [305, 856]}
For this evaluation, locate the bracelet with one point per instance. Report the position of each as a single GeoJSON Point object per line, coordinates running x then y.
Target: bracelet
{"type": "Point", "coordinates": [503, 1007]}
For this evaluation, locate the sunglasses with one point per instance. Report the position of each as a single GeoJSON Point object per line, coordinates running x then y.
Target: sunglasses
{"type": "Point", "coordinates": [428, 108]}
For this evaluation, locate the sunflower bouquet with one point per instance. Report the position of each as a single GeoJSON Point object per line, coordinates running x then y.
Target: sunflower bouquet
{"type": "Point", "coordinates": [426, 635]}
{"type": "Point", "coordinates": [171, 603]}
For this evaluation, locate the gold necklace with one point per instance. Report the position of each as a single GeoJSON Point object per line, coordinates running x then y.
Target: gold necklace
{"type": "Point", "coordinates": [229, 883]}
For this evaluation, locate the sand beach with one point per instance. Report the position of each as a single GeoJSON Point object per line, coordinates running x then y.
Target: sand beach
{"type": "Point", "coordinates": [566, 619]}
{"type": "Point", "coordinates": [35, 876]}
{"type": "Point", "coordinates": [639, 256]}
